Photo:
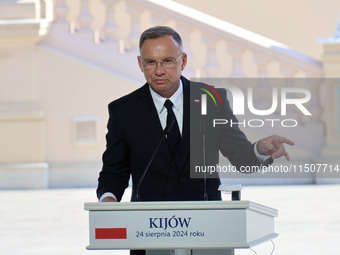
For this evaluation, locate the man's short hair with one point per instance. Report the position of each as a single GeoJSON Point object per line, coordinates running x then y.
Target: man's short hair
{"type": "Point", "coordinates": [157, 32]}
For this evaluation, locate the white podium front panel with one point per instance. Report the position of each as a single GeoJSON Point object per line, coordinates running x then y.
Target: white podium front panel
{"type": "Point", "coordinates": [170, 225]}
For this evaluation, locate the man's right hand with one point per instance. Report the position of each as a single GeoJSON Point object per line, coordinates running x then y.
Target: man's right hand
{"type": "Point", "coordinates": [109, 199]}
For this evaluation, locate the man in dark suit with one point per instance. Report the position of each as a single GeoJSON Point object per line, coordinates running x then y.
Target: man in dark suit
{"type": "Point", "coordinates": [136, 127]}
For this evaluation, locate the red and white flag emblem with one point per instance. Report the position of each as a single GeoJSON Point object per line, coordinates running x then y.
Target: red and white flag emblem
{"type": "Point", "coordinates": [110, 228]}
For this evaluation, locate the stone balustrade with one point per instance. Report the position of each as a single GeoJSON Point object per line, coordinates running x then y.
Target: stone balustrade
{"type": "Point", "coordinates": [215, 48]}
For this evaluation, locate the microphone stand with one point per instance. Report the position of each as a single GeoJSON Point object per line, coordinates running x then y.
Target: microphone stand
{"type": "Point", "coordinates": [203, 131]}
{"type": "Point", "coordinates": [165, 132]}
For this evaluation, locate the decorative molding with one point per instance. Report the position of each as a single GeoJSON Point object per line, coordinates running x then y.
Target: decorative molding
{"type": "Point", "coordinates": [20, 111]}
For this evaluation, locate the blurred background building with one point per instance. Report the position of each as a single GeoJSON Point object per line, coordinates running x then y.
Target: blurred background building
{"type": "Point", "coordinates": [63, 61]}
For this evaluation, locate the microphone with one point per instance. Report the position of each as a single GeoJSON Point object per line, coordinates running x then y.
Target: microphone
{"type": "Point", "coordinates": [165, 132]}
{"type": "Point", "coordinates": [203, 131]}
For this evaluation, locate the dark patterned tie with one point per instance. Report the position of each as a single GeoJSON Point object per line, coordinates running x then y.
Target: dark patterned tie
{"type": "Point", "coordinates": [173, 135]}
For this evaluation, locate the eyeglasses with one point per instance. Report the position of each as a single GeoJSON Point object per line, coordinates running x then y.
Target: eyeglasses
{"type": "Point", "coordinates": [167, 63]}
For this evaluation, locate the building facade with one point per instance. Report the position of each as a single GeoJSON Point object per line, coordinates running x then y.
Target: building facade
{"type": "Point", "coordinates": [62, 62]}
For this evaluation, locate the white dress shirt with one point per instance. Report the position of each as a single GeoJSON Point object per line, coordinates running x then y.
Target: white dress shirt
{"type": "Point", "coordinates": [177, 101]}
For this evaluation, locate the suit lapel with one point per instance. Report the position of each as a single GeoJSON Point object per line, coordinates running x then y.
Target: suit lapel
{"type": "Point", "coordinates": [184, 148]}
{"type": "Point", "coordinates": [148, 116]}
{"type": "Point", "coordinates": [147, 113]}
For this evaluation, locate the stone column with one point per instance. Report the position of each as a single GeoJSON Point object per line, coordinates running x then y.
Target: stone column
{"type": "Point", "coordinates": [110, 28]}
{"type": "Point", "coordinates": [236, 52]}
{"type": "Point", "coordinates": [85, 19]}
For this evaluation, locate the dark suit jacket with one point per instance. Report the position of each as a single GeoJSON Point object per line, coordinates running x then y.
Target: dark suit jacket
{"type": "Point", "coordinates": [134, 130]}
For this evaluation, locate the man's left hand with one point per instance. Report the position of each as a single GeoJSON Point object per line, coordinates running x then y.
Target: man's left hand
{"type": "Point", "coordinates": [273, 146]}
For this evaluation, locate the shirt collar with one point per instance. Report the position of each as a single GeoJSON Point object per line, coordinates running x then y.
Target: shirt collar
{"type": "Point", "coordinates": [175, 98]}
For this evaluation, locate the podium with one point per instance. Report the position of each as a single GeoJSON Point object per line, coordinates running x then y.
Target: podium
{"type": "Point", "coordinates": [174, 228]}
